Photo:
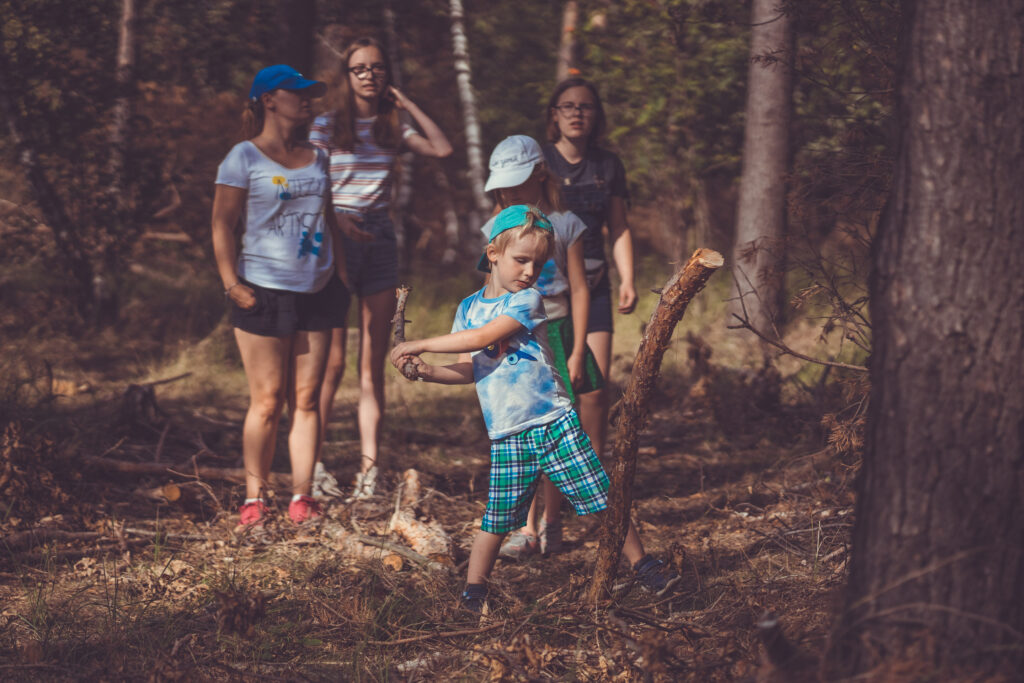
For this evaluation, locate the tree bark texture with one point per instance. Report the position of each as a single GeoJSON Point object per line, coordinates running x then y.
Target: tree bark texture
{"type": "Point", "coordinates": [937, 568]}
{"type": "Point", "coordinates": [299, 20]}
{"type": "Point", "coordinates": [474, 146]}
{"type": "Point", "coordinates": [122, 111]}
{"type": "Point", "coordinates": [675, 296]}
{"type": "Point", "coordinates": [569, 48]}
{"type": "Point", "coordinates": [759, 253]}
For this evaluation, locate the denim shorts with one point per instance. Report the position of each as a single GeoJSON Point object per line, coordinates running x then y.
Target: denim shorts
{"type": "Point", "coordinates": [562, 451]}
{"type": "Point", "coordinates": [600, 317]}
{"type": "Point", "coordinates": [280, 313]}
{"type": "Point", "coordinates": [372, 266]}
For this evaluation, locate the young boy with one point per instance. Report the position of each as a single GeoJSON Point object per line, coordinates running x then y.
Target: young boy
{"type": "Point", "coordinates": [502, 342]}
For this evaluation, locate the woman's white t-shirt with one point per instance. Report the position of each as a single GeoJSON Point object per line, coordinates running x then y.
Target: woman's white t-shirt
{"type": "Point", "coordinates": [286, 244]}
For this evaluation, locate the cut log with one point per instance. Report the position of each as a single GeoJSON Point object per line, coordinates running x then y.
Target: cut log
{"type": "Point", "coordinates": [675, 296]}
{"type": "Point", "coordinates": [426, 537]}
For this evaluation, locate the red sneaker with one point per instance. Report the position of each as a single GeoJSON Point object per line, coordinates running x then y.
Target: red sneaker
{"type": "Point", "coordinates": [253, 514]}
{"type": "Point", "coordinates": [304, 509]}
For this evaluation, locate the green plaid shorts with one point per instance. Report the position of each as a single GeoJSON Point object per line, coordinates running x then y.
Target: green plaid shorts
{"type": "Point", "coordinates": [562, 451]}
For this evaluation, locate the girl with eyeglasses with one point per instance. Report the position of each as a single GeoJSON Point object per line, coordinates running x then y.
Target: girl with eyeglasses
{"type": "Point", "coordinates": [363, 135]}
{"type": "Point", "coordinates": [593, 188]}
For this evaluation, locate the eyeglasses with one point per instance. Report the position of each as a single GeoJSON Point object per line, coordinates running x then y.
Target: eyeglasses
{"type": "Point", "coordinates": [567, 108]}
{"type": "Point", "coordinates": [362, 72]}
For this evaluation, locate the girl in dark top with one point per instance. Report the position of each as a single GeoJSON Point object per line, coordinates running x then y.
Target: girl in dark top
{"type": "Point", "coordinates": [594, 188]}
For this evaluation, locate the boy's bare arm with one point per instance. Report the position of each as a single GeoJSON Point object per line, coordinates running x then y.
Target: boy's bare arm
{"type": "Point", "coordinates": [461, 342]}
{"type": "Point", "coordinates": [454, 373]}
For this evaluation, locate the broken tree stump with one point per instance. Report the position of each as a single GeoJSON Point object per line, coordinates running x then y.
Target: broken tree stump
{"type": "Point", "coordinates": [675, 296]}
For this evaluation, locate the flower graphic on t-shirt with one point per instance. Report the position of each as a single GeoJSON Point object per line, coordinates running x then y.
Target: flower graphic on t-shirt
{"type": "Point", "coordinates": [282, 182]}
{"type": "Point", "coordinates": [515, 354]}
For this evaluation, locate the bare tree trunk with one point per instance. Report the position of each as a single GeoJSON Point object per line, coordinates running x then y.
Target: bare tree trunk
{"type": "Point", "coordinates": [404, 171]}
{"type": "Point", "coordinates": [677, 293]}
{"type": "Point", "coordinates": [299, 19]}
{"type": "Point", "coordinates": [474, 146]}
{"type": "Point", "coordinates": [106, 270]}
{"type": "Point", "coordinates": [938, 545]}
{"type": "Point", "coordinates": [569, 49]}
{"type": "Point", "coordinates": [122, 111]}
{"type": "Point", "coordinates": [451, 219]}
{"type": "Point", "coordinates": [759, 255]}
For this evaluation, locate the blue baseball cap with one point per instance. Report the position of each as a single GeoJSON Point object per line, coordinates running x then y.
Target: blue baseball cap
{"type": "Point", "coordinates": [286, 78]}
{"type": "Point", "coordinates": [512, 217]}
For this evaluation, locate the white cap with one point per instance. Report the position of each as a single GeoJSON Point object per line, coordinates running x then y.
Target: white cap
{"type": "Point", "coordinates": [512, 162]}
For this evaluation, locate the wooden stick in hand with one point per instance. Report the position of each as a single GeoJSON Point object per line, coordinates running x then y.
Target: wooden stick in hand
{"type": "Point", "coordinates": [399, 321]}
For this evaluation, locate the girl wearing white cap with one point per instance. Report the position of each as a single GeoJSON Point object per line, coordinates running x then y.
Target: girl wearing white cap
{"type": "Point", "coordinates": [280, 280]}
{"type": "Point", "coordinates": [519, 175]}
{"type": "Point", "coordinates": [363, 136]}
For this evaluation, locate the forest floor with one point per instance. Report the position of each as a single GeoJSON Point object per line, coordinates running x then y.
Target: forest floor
{"type": "Point", "coordinates": [137, 570]}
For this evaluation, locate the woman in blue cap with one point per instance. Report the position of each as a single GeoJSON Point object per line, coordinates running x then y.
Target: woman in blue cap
{"type": "Point", "coordinates": [283, 280]}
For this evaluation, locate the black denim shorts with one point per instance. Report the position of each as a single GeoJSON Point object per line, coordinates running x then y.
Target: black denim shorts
{"type": "Point", "coordinates": [280, 313]}
{"type": "Point", "coordinates": [600, 317]}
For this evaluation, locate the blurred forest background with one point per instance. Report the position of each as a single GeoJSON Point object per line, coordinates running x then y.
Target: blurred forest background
{"type": "Point", "coordinates": [672, 75]}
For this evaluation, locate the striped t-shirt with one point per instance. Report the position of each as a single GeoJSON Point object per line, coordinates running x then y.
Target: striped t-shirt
{"type": "Point", "coordinates": [360, 178]}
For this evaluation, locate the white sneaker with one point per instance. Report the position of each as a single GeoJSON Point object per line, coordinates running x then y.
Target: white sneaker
{"type": "Point", "coordinates": [324, 483]}
{"type": "Point", "coordinates": [366, 484]}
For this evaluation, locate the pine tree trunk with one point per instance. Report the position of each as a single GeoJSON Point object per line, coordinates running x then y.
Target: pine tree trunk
{"type": "Point", "coordinates": [474, 146]}
{"type": "Point", "coordinates": [298, 17]}
{"type": "Point", "coordinates": [759, 254]}
{"type": "Point", "coordinates": [937, 567]}
{"type": "Point", "coordinates": [569, 49]}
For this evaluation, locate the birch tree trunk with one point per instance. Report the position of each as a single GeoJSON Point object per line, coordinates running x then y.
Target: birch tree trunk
{"type": "Point", "coordinates": [474, 148]}
{"type": "Point", "coordinates": [759, 254]}
{"type": "Point", "coordinates": [938, 544]}
{"type": "Point", "coordinates": [122, 111]}
{"type": "Point", "coordinates": [569, 49]}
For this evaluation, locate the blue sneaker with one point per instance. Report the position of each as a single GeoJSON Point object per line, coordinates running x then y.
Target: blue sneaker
{"type": "Point", "coordinates": [474, 598]}
{"type": "Point", "coordinates": [655, 576]}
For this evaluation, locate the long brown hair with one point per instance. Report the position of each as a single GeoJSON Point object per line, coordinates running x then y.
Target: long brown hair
{"type": "Point", "coordinates": [386, 128]}
{"type": "Point", "coordinates": [599, 120]}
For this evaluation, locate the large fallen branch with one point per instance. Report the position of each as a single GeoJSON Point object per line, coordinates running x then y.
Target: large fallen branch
{"type": "Point", "coordinates": [675, 296]}
{"type": "Point", "coordinates": [233, 474]}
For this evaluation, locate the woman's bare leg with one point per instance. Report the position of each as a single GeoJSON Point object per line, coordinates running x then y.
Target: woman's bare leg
{"type": "Point", "coordinates": [593, 407]}
{"type": "Point", "coordinates": [308, 358]}
{"type": "Point", "coordinates": [266, 368]}
{"type": "Point", "coordinates": [333, 374]}
{"type": "Point", "coordinates": [375, 314]}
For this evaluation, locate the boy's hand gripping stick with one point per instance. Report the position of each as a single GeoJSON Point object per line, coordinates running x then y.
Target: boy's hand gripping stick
{"type": "Point", "coordinates": [399, 321]}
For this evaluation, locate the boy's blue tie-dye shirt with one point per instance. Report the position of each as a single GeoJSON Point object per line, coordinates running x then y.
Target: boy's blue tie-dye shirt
{"type": "Point", "coordinates": [515, 379]}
